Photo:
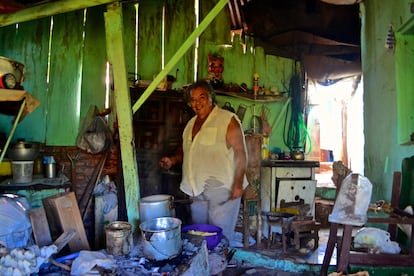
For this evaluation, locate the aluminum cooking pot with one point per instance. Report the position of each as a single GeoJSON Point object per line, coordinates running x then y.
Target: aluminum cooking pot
{"type": "Point", "coordinates": [161, 238]}
{"type": "Point", "coordinates": [156, 206]}
{"type": "Point", "coordinates": [24, 151]}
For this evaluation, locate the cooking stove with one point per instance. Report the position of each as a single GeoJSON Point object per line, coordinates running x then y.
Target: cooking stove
{"type": "Point", "coordinates": [194, 258]}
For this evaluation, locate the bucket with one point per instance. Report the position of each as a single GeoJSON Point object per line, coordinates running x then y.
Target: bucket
{"type": "Point", "coordinates": [161, 238]}
{"type": "Point", "coordinates": [118, 238]}
{"type": "Point", "coordinates": [22, 171]}
{"type": "Point", "coordinates": [156, 206]}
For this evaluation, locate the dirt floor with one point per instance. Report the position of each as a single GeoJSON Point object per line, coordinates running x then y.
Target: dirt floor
{"type": "Point", "coordinates": [305, 255]}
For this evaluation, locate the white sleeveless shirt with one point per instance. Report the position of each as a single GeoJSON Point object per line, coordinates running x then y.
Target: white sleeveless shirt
{"type": "Point", "coordinates": [206, 158]}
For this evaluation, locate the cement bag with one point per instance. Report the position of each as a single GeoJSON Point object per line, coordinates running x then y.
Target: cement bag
{"type": "Point", "coordinates": [376, 240]}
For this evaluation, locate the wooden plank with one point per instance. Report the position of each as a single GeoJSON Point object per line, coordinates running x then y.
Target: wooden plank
{"type": "Point", "coordinates": [65, 97]}
{"type": "Point", "coordinates": [48, 9]}
{"type": "Point", "coordinates": [40, 227]}
{"type": "Point", "coordinates": [180, 52]}
{"type": "Point", "coordinates": [116, 56]}
{"type": "Point", "coordinates": [63, 215]}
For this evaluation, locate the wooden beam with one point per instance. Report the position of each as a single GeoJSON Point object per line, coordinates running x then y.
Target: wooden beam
{"type": "Point", "coordinates": [48, 9]}
{"type": "Point", "coordinates": [180, 52]}
{"type": "Point", "coordinates": [116, 56]}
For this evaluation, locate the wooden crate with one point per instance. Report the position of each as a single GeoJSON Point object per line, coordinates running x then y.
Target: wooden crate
{"type": "Point", "coordinates": [63, 214]}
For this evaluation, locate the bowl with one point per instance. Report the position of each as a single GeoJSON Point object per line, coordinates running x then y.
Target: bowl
{"type": "Point", "coordinates": [24, 151]}
{"type": "Point", "coordinates": [212, 239]}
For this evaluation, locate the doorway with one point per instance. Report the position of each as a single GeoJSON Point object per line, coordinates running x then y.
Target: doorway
{"type": "Point", "coordinates": [335, 123]}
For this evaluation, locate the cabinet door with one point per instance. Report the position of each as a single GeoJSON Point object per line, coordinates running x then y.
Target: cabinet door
{"type": "Point", "coordinates": [295, 190]}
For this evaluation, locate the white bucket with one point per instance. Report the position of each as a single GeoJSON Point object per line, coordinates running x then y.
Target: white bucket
{"type": "Point", "coordinates": [22, 171]}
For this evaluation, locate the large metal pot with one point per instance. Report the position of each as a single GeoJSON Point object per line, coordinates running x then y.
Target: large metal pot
{"type": "Point", "coordinates": [161, 238]}
{"type": "Point", "coordinates": [24, 151]}
{"type": "Point", "coordinates": [156, 206]}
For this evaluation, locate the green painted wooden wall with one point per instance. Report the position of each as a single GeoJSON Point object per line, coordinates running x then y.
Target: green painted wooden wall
{"type": "Point", "coordinates": [72, 78]}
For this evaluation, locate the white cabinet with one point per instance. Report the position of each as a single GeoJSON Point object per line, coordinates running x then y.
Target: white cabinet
{"type": "Point", "coordinates": [291, 181]}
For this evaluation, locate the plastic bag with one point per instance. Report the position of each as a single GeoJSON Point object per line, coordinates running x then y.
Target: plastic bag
{"type": "Point", "coordinates": [87, 260]}
{"type": "Point", "coordinates": [15, 227]}
{"type": "Point", "coordinates": [107, 189]}
{"type": "Point", "coordinates": [376, 240]}
{"type": "Point", "coordinates": [352, 202]}
{"type": "Point", "coordinates": [95, 136]}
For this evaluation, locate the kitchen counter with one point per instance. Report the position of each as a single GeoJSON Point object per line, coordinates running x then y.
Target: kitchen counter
{"type": "Point", "coordinates": [291, 163]}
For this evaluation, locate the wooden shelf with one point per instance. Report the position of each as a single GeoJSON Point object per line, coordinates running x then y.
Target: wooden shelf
{"type": "Point", "coordinates": [10, 99]}
{"type": "Point", "coordinates": [251, 97]}
{"type": "Point", "coordinates": [18, 103]}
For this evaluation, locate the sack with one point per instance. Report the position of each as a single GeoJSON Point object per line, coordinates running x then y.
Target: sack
{"type": "Point", "coordinates": [95, 136]}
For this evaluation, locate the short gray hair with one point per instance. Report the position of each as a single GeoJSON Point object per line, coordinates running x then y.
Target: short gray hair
{"type": "Point", "coordinates": [200, 84]}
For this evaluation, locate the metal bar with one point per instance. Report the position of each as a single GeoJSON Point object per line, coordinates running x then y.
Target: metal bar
{"type": "Point", "coordinates": [180, 52]}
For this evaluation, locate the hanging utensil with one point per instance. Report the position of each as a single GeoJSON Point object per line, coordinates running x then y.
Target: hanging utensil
{"type": "Point", "coordinates": [241, 111]}
{"type": "Point", "coordinates": [227, 106]}
{"type": "Point", "coordinates": [73, 159]}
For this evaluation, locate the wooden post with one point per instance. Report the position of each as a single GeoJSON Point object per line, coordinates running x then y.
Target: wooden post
{"type": "Point", "coordinates": [116, 56]}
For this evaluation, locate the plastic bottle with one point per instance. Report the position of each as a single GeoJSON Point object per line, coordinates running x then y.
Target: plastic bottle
{"type": "Point", "coordinates": [255, 83]}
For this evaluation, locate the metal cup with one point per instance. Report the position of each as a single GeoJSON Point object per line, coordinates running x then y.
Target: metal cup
{"type": "Point", "coordinates": [50, 170]}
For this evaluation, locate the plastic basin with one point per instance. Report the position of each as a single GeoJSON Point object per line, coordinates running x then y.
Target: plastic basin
{"type": "Point", "coordinates": [212, 240]}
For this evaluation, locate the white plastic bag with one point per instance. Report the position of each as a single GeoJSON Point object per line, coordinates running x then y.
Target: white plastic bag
{"type": "Point", "coordinates": [15, 227]}
{"type": "Point", "coordinates": [376, 240]}
{"type": "Point", "coordinates": [352, 202]}
{"type": "Point", "coordinates": [87, 260]}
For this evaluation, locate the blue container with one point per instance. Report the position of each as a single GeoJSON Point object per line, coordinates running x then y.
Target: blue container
{"type": "Point", "coordinates": [212, 240]}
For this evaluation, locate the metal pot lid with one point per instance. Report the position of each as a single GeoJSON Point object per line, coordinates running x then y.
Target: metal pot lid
{"type": "Point", "coordinates": [157, 198]}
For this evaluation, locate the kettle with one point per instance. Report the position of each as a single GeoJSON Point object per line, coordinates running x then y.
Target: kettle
{"type": "Point", "coordinates": [297, 154]}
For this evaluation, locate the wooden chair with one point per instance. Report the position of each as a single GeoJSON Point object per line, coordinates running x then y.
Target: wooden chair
{"type": "Point", "coordinates": [281, 220]}
{"type": "Point", "coordinates": [347, 257]}
{"type": "Point", "coordinates": [305, 230]}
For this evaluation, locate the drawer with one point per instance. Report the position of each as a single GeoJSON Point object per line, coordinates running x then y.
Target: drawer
{"type": "Point", "coordinates": [293, 172]}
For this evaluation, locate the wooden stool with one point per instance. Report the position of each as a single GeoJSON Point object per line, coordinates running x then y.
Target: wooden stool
{"type": "Point", "coordinates": [283, 220]}
{"type": "Point", "coordinates": [305, 229]}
